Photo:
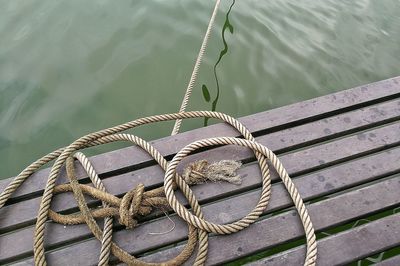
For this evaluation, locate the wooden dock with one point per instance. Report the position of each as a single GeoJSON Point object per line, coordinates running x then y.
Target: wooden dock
{"type": "Point", "coordinates": [342, 151]}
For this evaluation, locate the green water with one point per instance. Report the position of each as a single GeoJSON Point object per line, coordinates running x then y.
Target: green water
{"type": "Point", "coordinates": [68, 68]}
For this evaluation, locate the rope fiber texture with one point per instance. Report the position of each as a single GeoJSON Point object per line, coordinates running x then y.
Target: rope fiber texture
{"type": "Point", "coordinates": [196, 68]}
{"type": "Point", "coordinates": [139, 202]}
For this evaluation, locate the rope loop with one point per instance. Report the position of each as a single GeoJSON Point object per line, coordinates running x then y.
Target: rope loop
{"type": "Point", "coordinates": [137, 201]}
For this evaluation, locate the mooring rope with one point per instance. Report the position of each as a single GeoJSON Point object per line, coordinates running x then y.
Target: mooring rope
{"type": "Point", "coordinates": [138, 202]}
{"type": "Point", "coordinates": [196, 68]}
{"type": "Point", "coordinates": [108, 221]}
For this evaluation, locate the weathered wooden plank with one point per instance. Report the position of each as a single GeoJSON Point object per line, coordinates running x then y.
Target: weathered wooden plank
{"type": "Point", "coordinates": [310, 186]}
{"type": "Point", "coordinates": [393, 261]}
{"type": "Point", "coordinates": [276, 229]}
{"type": "Point", "coordinates": [290, 136]}
{"type": "Point", "coordinates": [331, 134]}
{"type": "Point", "coordinates": [346, 247]}
{"type": "Point", "coordinates": [286, 227]}
{"type": "Point", "coordinates": [133, 157]}
{"type": "Point", "coordinates": [23, 213]}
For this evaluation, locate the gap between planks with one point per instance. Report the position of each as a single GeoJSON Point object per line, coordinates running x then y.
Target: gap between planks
{"type": "Point", "coordinates": [311, 110]}
{"type": "Point", "coordinates": [23, 213]}
{"type": "Point", "coordinates": [278, 229]}
{"type": "Point", "coordinates": [310, 187]}
{"type": "Point", "coordinates": [345, 247]}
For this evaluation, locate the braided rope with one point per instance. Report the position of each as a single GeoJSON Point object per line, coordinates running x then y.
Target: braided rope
{"type": "Point", "coordinates": [198, 227]}
{"type": "Point", "coordinates": [108, 221]}
{"type": "Point", "coordinates": [133, 201]}
{"type": "Point", "coordinates": [116, 250]}
{"type": "Point", "coordinates": [86, 140]}
{"type": "Point", "coordinates": [196, 68]}
{"type": "Point", "coordinates": [170, 177]}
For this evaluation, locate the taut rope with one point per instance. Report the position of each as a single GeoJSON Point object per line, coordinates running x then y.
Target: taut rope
{"type": "Point", "coordinates": [196, 67]}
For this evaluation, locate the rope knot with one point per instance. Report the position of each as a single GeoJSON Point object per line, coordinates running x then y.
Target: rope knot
{"type": "Point", "coordinates": [200, 171]}
{"type": "Point", "coordinates": [132, 204]}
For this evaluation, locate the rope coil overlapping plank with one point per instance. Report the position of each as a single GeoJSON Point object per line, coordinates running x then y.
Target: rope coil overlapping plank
{"type": "Point", "coordinates": [136, 199]}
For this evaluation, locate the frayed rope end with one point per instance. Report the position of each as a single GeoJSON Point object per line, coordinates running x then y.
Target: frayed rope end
{"type": "Point", "coordinates": [201, 171]}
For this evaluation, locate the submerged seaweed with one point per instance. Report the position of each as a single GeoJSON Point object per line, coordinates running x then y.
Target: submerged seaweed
{"type": "Point", "coordinates": [205, 90]}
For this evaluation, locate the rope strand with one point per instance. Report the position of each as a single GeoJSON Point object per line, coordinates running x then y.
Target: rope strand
{"type": "Point", "coordinates": [196, 68]}
{"type": "Point", "coordinates": [139, 202]}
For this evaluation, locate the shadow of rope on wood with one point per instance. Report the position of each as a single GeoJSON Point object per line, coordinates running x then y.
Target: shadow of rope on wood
{"type": "Point", "coordinates": [140, 202]}
{"type": "Point", "coordinates": [137, 202]}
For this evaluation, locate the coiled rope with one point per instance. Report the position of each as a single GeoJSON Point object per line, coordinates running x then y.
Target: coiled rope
{"type": "Point", "coordinates": [137, 201]}
{"type": "Point", "coordinates": [196, 68]}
